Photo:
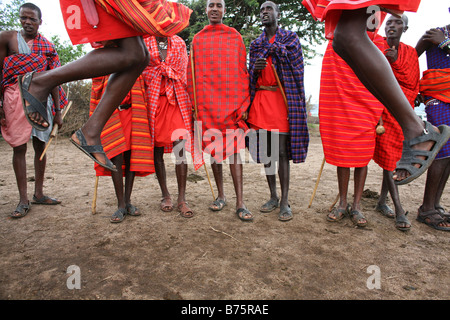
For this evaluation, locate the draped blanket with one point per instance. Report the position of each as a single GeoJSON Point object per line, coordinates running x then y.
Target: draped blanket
{"type": "Point", "coordinates": [43, 56]}
{"type": "Point", "coordinates": [286, 53]}
{"type": "Point", "coordinates": [222, 89]}
{"type": "Point", "coordinates": [436, 84]}
{"type": "Point", "coordinates": [348, 113]}
{"type": "Point", "coordinates": [114, 140]}
{"type": "Point", "coordinates": [173, 69]}
{"type": "Point", "coordinates": [389, 145]}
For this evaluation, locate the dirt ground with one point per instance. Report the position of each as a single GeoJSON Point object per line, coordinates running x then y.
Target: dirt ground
{"type": "Point", "coordinates": [213, 256]}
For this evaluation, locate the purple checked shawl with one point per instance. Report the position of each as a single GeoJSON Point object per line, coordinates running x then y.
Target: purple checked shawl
{"type": "Point", "coordinates": [287, 56]}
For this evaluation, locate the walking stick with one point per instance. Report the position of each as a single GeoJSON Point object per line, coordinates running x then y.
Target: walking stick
{"type": "Point", "coordinates": [55, 131]}
{"type": "Point", "coordinates": [94, 201]}
{"type": "Point", "coordinates": [281, 88]}
{"type": "Point", "coordinates": [317, 183]}
{"type": "Point", "coordinates": [195, 111]}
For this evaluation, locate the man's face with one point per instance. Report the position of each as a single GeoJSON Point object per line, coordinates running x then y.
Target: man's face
{"type": "Point", "coordinates": [268, 14]}
{"type": "Point", "coordinates": [394, 27]}
{"type": "Point", "coordinates": [30, 21]}
{"type": "Point", "coordinates": [215, 10]}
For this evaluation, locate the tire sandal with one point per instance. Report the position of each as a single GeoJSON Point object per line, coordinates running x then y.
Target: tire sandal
{"type": "Point", "coordinates": [433, 219]}
{"type": "Point", "coordinates": [356, 216]}
{"type": "Point", "coordinates": [118, 216]}
{"type": "Point", "coordinates": [35, 105]}
{"type": "Point", "coordinates": [285, 214]}
{"type": "Point", "coordinates": [338, 214]}
{"type": "Point", "coordinates": [244, 214]}
{"type": "Point", "coordinates": [21, 210]}
{"type": "Point", "coordinates": [132, 210]}
{"type": "Point", "coordinates": [184, 210]}
{"type": "Point", "coordinates": [270, 205]}
{"type": "Point", "coordinates": [385, 210]}
{"type": "Point", "coordinates": [402, 223]}
{"type": "Point", "coordinates": [166, 204]}
{"type": "Point", "coordinates": [218, 204]}
{"type": "Point", "coordinates": [410, 156]}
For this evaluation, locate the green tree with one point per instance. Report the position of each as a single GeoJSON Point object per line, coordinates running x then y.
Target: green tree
{"type": "Point", "coordinates": [243, 15]}
{"type": "Point", "coordinates": [9, 19]}
{"type": "Point", "coordinates": [66, 51]}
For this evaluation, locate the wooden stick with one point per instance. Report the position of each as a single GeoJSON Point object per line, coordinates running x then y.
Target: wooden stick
{"type": "Point", "coordinates": [54, 131]}
{"type": "Point", "coordinates": [281, 87]}
{"type": "Point", "coordinates": [195, 111]}
{"type": "Point", "coordinates": [317, 183]}
{"type": "Point", "coordinates": [94, 200]}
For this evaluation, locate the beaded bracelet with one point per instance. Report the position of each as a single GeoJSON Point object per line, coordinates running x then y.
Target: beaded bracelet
{"type": "Point", "coordinates": [444, 43]}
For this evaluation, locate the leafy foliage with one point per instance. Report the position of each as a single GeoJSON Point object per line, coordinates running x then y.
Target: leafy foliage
{"type": "Point", "coordinates": [9, 19]}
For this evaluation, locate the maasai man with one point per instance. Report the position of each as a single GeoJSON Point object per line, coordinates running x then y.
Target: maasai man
{"type": "Point", "coordinates": [222, 96]}
{"type": "Point", "coordinates": [268, 112]}
{"type": "Point", "coordinates": [348, 114]}
{"type": "Point", "coordinates": [126, 141]}
{"type": "Point", "coordinates": [436, 92]}
{"type": "Point", "coordinates": [405, 64]}
{"type": "Point", "coordinates": [346, 21]}
{"type": "Point", "coordinates": [170, 113]}
{"type": "Point", "coordinates": [21, 52]}
{"type": "Point", "coordinates": [123, 22]}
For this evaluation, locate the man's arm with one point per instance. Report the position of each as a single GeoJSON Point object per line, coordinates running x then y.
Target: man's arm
{"type": "Point", "coordinates": [5, 37]}
{"type": "Point", "coordinates": [431, 37]}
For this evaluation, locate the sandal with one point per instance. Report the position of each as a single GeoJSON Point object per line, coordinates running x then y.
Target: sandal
{"type": "Point", "coordinates": [35, 105]}
{"type": "Point", "coordinates": [184, 210]}
{"type": "Point", "coordinates": [166, 204]}
{"type": "Point", "coordinates": [218, 204]}
{"type": "Point", "coordinates": [402, 223]}
{"type": "Point", "coordinates": [432, 218]}
{"type": "Point", "coordinates": [270, 205]}
{"type": "Point", "coordinates": [410, 156]}
{"type": "Point", "coordinates": [443, 213]}
{"type": "Point", "coordinates": [132, 210]}
{"type": "Point", "coordinates": [21, 210]}
{"type": "Point", "coordinates": [89, 150]}
{"type": "Point", "coordinates": [385, 210]}
{"type": "Point", "coordinates": [285, 214]}
{"type": "Point", "coordinates": [45, 201]}
{"type": "Point", "coordinates": [356, 216]}
{"type": "Point", "coordinates": [244, 214]}
{"type": "Point", "coordinates": [338, 214]}
{"type": "Point", "coordinates": [118, 216]}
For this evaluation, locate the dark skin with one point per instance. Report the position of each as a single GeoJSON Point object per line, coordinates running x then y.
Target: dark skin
{"type": "Point", "coordinates": [30, 22]}
{"type": "Point", "coordinates": [215, 10]}
{"type": "Point", "coordinates": [353, 45]}
{"type": "Point", "coordinates": [269, 16]}
{"type": "Point", "coordinates": [394, 29]}
{"type": "Point", "coordinates": [439, 171]}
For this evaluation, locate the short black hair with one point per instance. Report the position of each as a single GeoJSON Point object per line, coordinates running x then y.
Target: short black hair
{"type": "Point", "coordinates": [33, 7]}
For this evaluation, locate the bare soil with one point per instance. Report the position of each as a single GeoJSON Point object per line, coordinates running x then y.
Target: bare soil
{"type": "Point", "coordinates": [212, 256]}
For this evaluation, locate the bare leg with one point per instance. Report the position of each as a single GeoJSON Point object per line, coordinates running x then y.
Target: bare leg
{"type": "Point", "coordinates": [20, 170]}
{"type": "Point", "coordinates": [117, 178]}
{"type": "Point", "coordinates": [181, 172]}
{"type": "Point", "coordinates": [39, 167]}
{"type": "Point", "coordinates": [359, 180]}
{"type": "Point", "coordinates": [218, 177]}
{"type": "Point", "coordinates": [160, 170]}
{"type": "Point", "coordinates": [129, 177]}
{"type": "Point", "coordinates": [124, 62]}
{"type": "Point", "coordinates": [284, 171]}
{"type": "Point", "coordinates": [372, 68]}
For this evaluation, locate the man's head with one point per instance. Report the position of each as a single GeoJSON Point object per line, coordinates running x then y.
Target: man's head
{"type": "Point", "coordinates": [269, 14]}
{"type": "Point", "coordinates": [30, 18]}
{"type": "Point", "coordinates": [215, 10]}
{"type": "Point", "coordinates": [395, 26]}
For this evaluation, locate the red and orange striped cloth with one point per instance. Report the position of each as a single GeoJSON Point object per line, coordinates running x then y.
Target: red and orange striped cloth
{"type": "Point", "coordinates": [348, 113]}
{"type": "Point", "coordinates": [124, 18]}
{"type": "Point", "coordinates": [436, 83]}
{"type": "Point", "coordinates": [330, 10]}
{"type": "Point", "coordinates": [126, 130]}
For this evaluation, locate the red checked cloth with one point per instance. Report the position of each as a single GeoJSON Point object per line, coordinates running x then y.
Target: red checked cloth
{"type": "Point", "coordinates": [222, 89]}
{"type": "Point", "coordinates": [389, 145]}
{"type": "Point", "coordinates": [173, 71]}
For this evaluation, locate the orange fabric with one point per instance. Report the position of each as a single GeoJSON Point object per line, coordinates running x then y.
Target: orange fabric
{"type": "Point", "coordinates": [168, 118]}
{"type": "Point", "coordinates": [126, 130]}
{"type": "Point", "coordinates": [436, 83]}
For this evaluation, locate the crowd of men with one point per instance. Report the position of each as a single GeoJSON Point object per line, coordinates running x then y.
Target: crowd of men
{"type": "Point", "coordinates": [149, 97]}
